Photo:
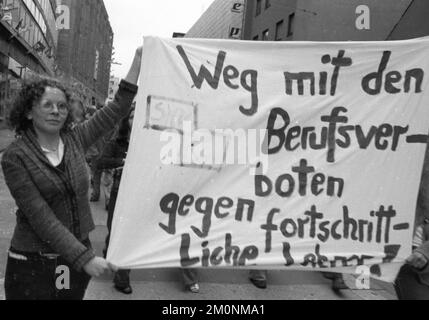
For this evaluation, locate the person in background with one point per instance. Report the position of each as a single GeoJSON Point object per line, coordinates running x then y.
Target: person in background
{"type": "Point", "coordinates": [101, 180]}
{"type": "Point", "coordinates": [190, 279]}
{"type": "Point", "coordinates": [77, 110]}
{"type": "Point", "coordinates": [113, 158]}
{"type": "Point", "coordinates": [412, 282]}
{"type": "Point", "coordinates": [92, 156]}
{"type": "Point", "coordinates": [45, 171]}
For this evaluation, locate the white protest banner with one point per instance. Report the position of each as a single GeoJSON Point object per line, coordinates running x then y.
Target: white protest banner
{"type": "Point", "coordinates": [274, 155]}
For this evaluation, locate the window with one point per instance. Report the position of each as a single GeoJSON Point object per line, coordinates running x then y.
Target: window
{"type": "Point", "coordinates": [290, 28]}
{"type": "Point", "coordinates": [267, 4]}
{"type": "Point", "coordinates": [279, 30]}
{"type": "Point", "coordinates": [256, 38]}
{"type": "Point", "coordinates": [265, 35]}
{"type": "Point", "coordinates": [258, 7]}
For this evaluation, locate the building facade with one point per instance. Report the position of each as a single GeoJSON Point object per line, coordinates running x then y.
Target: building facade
{"type": "Point", "coordinates": [85, 50]}
{"type": "Point", "coordinates": [335, 20]}
{"type": "Point", "coordinates": [314, 20]}
{"type": "Point", "coordinates": [413, 23]}
{"type": "Point", "coordinates": [270, 20]}
{"type": "Point", "coordinates": [28, 44]}
{"type": "Point", "coordinates": [222, 20]}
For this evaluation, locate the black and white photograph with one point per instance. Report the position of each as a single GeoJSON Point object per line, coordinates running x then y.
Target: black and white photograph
{"type": "Point", "coordinates": [214, 156]}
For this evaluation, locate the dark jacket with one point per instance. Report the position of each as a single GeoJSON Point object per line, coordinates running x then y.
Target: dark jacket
{"type": "Point", "coordinates": [422, 214]}
{"type": "Point", "coordinates": [53, 214]}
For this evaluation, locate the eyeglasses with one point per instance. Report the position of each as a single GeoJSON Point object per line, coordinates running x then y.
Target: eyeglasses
{"type": "Point", "coordinates": [62, 107]}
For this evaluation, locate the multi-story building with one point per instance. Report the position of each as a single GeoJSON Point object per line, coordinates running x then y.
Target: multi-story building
{"type": "Point", "coordinates": [335, 20]}
{"type": "Point", "coordinates": [413, 22]}
{"type": "Point", "coordinates": [28, 43]}
{"type": "Point", "coordinates": [222, 20]}
{"type": "Point", "coordinates": [313, 20]}
{"type": "Point", "coordinates": [85, 50]}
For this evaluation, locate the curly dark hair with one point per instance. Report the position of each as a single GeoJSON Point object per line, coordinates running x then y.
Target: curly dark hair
{"type": "Point", "coordinates": [31, 93]}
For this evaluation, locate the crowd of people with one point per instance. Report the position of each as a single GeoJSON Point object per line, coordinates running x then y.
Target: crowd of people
{"type": "Point", "coordinates": [61, 153]}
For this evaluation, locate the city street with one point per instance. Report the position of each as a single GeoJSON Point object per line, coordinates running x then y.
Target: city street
{"type": "Point", "coordinates": [243, 133]}
{"type": "Point", "coordinates": [215, 284]}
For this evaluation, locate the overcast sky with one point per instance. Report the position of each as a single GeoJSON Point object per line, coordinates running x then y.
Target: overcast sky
{"type": "Point", "coordinates": [133, 19]}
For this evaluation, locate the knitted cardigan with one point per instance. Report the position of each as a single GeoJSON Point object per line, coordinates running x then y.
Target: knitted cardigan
{"type": "Point", "coordinates": [53, 214]}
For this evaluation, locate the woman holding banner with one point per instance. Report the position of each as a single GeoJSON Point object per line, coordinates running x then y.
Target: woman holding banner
{"type": "Point", "coordinates": [46, 173]}
{"type": "Point", "coordinates": [113, 158]}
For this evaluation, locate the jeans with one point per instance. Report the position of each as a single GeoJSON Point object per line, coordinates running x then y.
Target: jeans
{"type": "Point", "coordinates": [112, 203]}
{"type": "Point", "coordinates": [190, 277]}
{"type": "Point", "coordinates": [32, 276]}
